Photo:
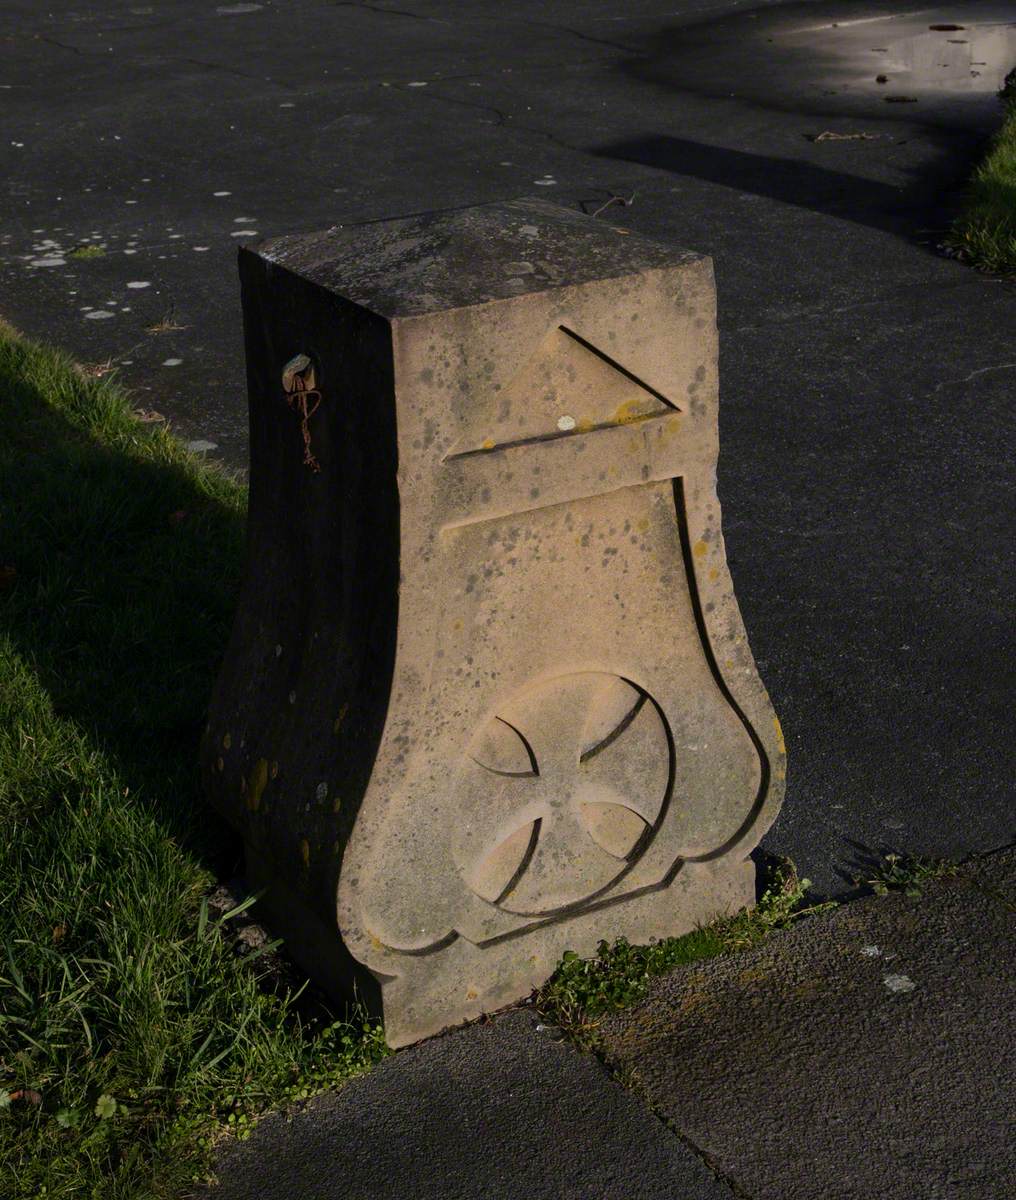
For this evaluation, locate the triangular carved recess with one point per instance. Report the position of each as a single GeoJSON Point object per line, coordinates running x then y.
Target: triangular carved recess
{"type": "Point", "coordinates": [567, 386]}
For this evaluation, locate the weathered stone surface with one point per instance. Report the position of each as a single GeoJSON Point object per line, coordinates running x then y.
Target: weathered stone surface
{"type": "Point", "coordinates": [488, 659]}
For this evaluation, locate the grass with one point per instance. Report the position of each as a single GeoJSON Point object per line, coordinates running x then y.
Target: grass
{"type": "Point", "coordinates": [583, 990]}
{"type": "Point", "coordinates": [132, 1030]}
{"type": "Point", "coordinates": [985, 232]}
{"type": "Point", "coordinates": [900, 873]}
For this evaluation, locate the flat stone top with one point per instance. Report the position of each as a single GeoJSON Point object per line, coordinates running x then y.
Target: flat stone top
{"type": "Point", "coordinates": [457, 258]}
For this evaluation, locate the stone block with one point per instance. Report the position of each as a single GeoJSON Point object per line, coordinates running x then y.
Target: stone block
{"type": "Point", "coordinates": [488, 696]}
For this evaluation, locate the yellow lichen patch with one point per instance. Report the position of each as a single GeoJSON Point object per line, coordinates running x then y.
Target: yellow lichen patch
{"type": "Point", "coordinates": [692, 1001]}
{"type": "Point", "coordinates": [258, 783]}
{"type": "Point", "coordinates": [305, 852]}
{"type": "Point", "coordinates": [630, 411]}
{"type": "Point", "coordinates": [336, 803]}
{"type": "Point", "coordinates": [488, 444]}
{"type": "Point", "coordinates": [779, 734]}
{"type": "Point", "coordinates": [227, 741]}
{"type": "Point", "coordinates": [583, 425]}
{"type": "Point", "coordinates": [376, 942]}
{"type": "Point", "coordinates": [472, 994]}
{"type": "Point", "coordinates": [701, 548]}
{"type": "Point", "coordinates": [642, 524]}
{"type": "Point", "coordinates": [750, 976]}
{"type": "Point", "coordinates": [714, 574]}
{"type": "Point", "coordinates": [340, 718]}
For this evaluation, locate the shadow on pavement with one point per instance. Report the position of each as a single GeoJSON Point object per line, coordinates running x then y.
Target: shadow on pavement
{"type": "Point", "coordinates": [788, 180]}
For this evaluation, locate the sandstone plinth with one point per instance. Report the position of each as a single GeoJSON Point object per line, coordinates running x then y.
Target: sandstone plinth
{"type": "Point", "coordinates": [488, 696]}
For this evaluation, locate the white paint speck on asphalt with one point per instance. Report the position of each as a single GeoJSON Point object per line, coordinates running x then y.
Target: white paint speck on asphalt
{"type": "Point", "coordinates": [244, 233]}
{"type": "Point", "coordinates": [54, 260]}
{"type": "Point", "coordinates": [200, 446]}
{"type": "Point", "coordinates": [222, 193]}
{"type": "Point", "coordinates": [199, 249]}
{"type": "Point", "coordinates": [565, 423]}
{"type": "Point", "coordinates": [871, 952]}
{"type": "Point", "coordinates": [98, 314]}
{"type": "Point", "coordinates": [899, 983]}
{"type": "Point", "coordinates": [172, 362]}
{"type": "Point", "coordinates": [139, 283]}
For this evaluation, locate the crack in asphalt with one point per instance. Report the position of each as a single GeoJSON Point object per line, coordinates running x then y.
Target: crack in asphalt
{"type": "Point", "coordinates": [52, 41]}
{"type": "Point", "coordinates": [1010, 366]}
{"type": "Point", "coordinates": [575, 33]}
{"type": "Point", "coordinates": [586, 37]}
{"type": "Point", "coordinates": [502, 117]}
{"type": "Point", "coordinates": [394, 12]}
{"type": "Point", "coordinates": [213, 66]}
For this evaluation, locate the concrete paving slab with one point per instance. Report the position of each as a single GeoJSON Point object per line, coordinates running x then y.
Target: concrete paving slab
{"type": "Point", "coordinates": [498, 1110]}
{"type": "Point", "coordinates": [864, 378]}
{"type": "Point", "coordinates": [864, 1053]}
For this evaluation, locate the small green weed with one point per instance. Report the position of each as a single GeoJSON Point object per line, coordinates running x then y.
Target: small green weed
{"type": "Point", "coordinates": [84, 253]}
{"type": "Point", "coordinates": [582, 990]}
{"type": "Point", "coordinates": [897, 873]}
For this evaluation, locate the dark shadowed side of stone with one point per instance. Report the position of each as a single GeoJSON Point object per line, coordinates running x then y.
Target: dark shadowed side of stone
{"type": "Point", "coordinates": [802, 1074]}
{"type": "Point", "coordinates": [499, 1111]}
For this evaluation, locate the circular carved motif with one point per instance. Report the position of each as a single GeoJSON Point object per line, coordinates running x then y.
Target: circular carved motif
{"type": "Point", "coordinates": [561, 792]}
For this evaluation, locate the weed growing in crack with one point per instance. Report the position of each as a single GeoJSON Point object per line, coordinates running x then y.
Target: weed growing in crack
{"type": "Point", "coordinates": [898, 873]}
{"type": "Point", "coordinates": [584, 989]}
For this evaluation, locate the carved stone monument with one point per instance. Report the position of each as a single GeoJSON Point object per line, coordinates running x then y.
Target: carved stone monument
{"type": "Point", "coordinates": [488, 697]}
